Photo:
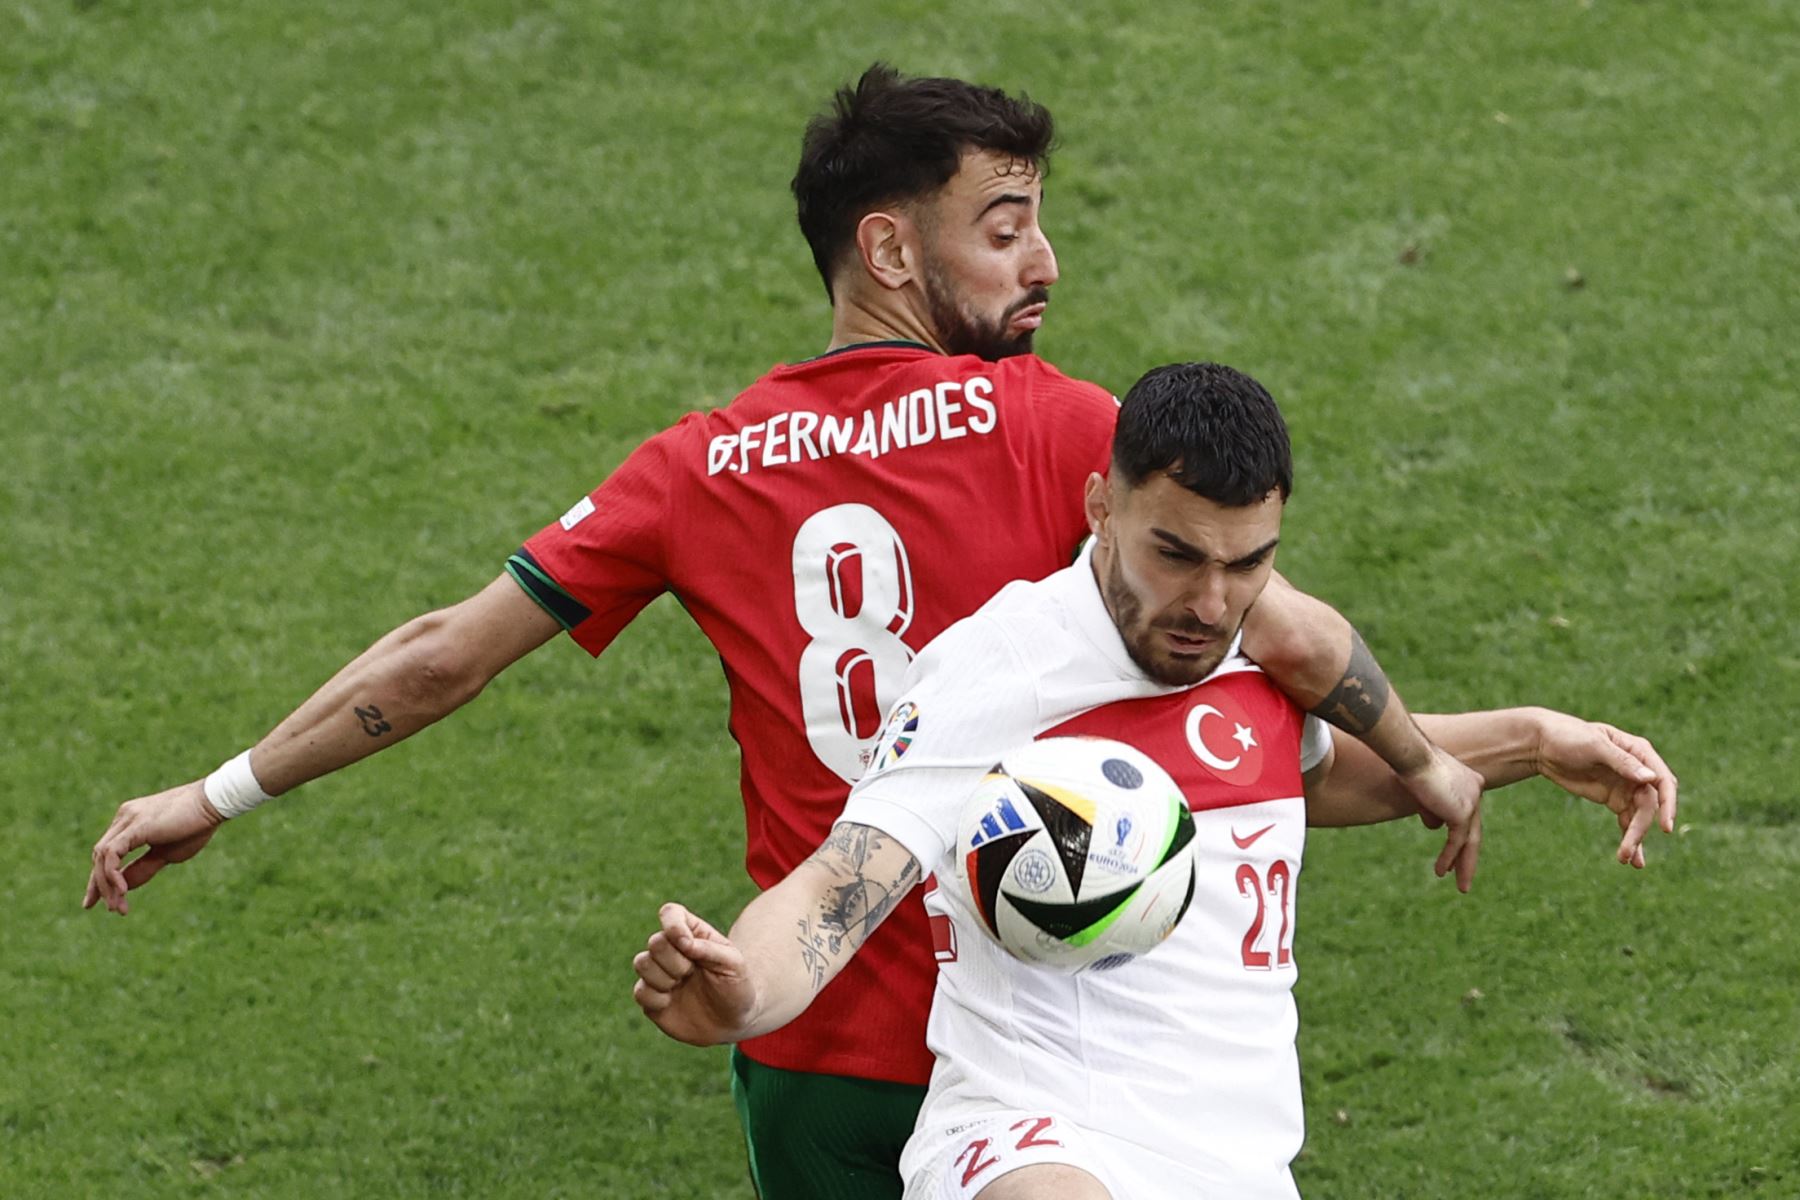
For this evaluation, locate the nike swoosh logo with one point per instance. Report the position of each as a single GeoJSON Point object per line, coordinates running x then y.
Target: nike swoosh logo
{"type": "Point", "coordinates": [1244, 843]}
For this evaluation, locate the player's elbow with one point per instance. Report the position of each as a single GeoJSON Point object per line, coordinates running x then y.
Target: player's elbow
{"type": "Point", "coordinates": [442, 669]}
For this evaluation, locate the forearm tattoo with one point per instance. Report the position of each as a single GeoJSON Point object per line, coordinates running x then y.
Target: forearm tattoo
{"type": "Point", "coordinates": [1355, 705]}
{"type": "Point", "coordinates": [851, 909]}
{"type": "Point", "coordinates": [812, 952]}
{"type": "Point", "coordinates": [372, 724]}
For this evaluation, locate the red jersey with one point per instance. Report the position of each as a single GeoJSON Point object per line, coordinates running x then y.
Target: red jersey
{"type": "Point", "coordinates": [820, 529]}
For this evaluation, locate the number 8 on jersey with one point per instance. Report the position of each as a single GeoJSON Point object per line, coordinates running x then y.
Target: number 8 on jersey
{"type": "Point", "coordinates": [853, 597]}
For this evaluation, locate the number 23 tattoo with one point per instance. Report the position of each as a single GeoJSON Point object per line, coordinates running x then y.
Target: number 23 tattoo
{"type": "Point", "coordinates": [372, 723]}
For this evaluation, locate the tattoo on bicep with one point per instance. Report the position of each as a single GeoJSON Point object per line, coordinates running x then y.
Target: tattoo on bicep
{"type": "Point", "coordinates": [909, 875]}
{"type": "Point", "coordinates": [844, 842]}
{"type": "Point", "coordinates": [372, 723]}
{"type": "Point", "coordinates": [847, 848]}
{"type": "Point", "coordinates": [853, 909]}
{"type": "Point", "coordinates": [1355, 705]}
{"type": "Point", "coordinates": [850, 910]}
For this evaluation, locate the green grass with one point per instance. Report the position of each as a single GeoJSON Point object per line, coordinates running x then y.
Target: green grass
{"type": "Point", "coordinates": [308, 314]}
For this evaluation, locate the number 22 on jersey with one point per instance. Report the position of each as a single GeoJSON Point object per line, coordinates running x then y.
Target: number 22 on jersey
{"type": "Point", "coordinates": [853, 596]}
{"type": "Point", "coordinates": [1277, 882]}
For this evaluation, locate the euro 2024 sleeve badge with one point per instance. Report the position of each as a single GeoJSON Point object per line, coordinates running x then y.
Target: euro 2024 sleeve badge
{"type": "Point", "coordinates": [896, 736]}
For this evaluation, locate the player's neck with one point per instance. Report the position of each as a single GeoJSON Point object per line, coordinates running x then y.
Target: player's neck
{"type": "Point", "coordinates": [1100, 563]}
{"type": "Point", "coordinates": [855, 320]}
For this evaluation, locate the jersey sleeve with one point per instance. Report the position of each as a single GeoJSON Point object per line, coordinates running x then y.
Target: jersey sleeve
{"type": "Point", "coordinates": [600, 563]}
{"type": "Point", "coordinates": [1315, 742]}
{"type": "Point", "coordinates": [966, 701]}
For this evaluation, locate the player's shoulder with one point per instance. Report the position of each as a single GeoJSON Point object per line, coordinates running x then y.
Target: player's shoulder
{"type": "Point", "coordinates": [1072, 419]}
{"type": "Point", "coordinates": [841, 381]}
{"type": "Point", "coordinates": [668, 455]}
{"type": "Point", "coordinates": [1023, 626]}
{"type": "Point", "coordinates": [1027, 600]}
{"type": "Point", "coordinates": [975, 689]}
{"type": "Point", "coordinates": [980, 644]}
{"type": "Point", "coordinates": [1046, 379]}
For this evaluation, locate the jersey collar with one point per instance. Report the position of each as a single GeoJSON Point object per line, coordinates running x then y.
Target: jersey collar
{"type": "Point", "coordinates": [888, 344]}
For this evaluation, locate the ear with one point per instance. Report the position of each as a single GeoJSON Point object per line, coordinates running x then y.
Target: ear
{"type": "Point", "coordinates": [1097, 500]}
{"type": "Point", "coordinates": [887, 243]}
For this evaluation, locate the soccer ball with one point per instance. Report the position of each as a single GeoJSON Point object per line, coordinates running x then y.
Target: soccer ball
{"type": "Point", "coordinates": [1077, 853]}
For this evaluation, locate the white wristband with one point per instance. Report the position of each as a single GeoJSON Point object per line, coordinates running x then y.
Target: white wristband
{"type": "Point", "coordinates": [232, 789]}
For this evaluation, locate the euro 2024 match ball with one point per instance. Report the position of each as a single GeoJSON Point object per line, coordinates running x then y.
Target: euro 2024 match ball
{"type": "Point", "coordinates": [1077, 853]}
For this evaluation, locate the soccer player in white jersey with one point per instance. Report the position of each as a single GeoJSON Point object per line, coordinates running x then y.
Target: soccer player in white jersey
{"type": "Point", "coordinates": [1175, 1074]}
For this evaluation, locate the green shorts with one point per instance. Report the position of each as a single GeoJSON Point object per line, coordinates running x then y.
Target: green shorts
{"type": "Point", "coordinates": [822, 1137]}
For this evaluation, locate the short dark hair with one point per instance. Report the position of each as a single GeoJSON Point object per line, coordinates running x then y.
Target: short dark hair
{"type": "Point", "coordinates": [1213, 430]}
{"type": "Point", "coordinates": [891, 138]}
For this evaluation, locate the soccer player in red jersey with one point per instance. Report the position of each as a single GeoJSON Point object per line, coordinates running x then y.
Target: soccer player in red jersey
{"type": "Point", "coordinates": [836, 516]}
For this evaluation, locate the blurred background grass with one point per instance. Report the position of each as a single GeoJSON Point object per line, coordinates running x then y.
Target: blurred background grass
{"type": "Point", "coordinates": [309, 314]}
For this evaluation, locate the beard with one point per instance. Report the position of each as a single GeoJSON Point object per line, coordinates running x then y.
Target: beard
{"type": "Point", "coordinates": [962, 332]}
{"type": "Point", "coordinates": [1141, 635]}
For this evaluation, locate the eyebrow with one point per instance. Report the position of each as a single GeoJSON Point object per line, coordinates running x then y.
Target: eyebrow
{"type": "Point", "coordinates": [1196, 552]}
{"type": "Point", "coordinates": [1003, 198]}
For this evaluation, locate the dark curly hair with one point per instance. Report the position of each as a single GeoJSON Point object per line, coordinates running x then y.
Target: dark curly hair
{"type": "Point", "coordinates": [891, 139]}
{"type": "Point", "coordinates": [1213, 430]}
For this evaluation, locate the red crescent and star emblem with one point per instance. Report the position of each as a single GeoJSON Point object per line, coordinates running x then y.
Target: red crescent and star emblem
{"type": "Point", "coordinates": [1221, 736]}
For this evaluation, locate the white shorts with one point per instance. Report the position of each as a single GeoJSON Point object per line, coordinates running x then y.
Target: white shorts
{"type": "Point", "coordinates": [956, 1162]}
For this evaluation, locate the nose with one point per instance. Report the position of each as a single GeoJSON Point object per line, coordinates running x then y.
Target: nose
{"type": "Point", "coordinates": [1040, 268]}
{"type": "Point", "coordinates": [1208, 600]}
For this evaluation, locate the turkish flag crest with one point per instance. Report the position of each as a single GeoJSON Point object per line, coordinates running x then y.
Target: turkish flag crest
{"type": "Point", "coordinates": [1220, 735]}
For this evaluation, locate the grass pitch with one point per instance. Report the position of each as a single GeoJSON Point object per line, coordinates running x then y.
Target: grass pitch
{"type": "Point", "coordinates": [309, 314]}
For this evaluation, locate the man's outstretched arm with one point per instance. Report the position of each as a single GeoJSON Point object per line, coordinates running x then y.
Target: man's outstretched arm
{"type": "Point", "coordinates": [701, 987]}
{"type": "Point", "coordinates": [414, 676]}
{"type": "Point", "coordinates": [1620, 771]}
{"type": "Point", "coordinates": [1317, 657]}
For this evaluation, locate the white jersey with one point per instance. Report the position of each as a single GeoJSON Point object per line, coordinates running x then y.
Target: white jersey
{"type": "Point", "coordinates": [1186, 1054]}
